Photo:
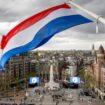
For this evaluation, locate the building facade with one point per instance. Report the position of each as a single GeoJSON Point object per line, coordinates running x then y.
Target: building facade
{"type": "Point", "coordinates": [16, 71]}
{"type": "Point", "coordinates": [97, 71]}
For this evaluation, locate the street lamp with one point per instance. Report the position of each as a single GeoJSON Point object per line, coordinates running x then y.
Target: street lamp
{"type": "Point", "coordinates": [14, 93]}
{"type": "Point", "coordinates": [26, 94]}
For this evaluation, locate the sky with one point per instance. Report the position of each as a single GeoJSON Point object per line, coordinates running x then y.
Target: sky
{"type": "Point", "coordinates": [80, 37]}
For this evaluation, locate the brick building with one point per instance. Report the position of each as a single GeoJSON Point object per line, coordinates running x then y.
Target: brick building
{"type": "Point", "coordinates": [97, 70]}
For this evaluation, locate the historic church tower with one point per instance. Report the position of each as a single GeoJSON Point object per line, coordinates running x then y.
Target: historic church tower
{"type": "Point", "coordinates": [101, 55]}
{"type": "Point", "coordinates": [93, 51]}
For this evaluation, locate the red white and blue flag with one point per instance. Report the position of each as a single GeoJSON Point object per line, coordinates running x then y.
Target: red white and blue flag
{"type": "Point", "coordinates": [38, 29]}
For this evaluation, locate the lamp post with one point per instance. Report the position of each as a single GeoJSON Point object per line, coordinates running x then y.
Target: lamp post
{"type": "Point", "coordinates": [26, 94]}
{"type": "Point", "coordinates": [14, 94]}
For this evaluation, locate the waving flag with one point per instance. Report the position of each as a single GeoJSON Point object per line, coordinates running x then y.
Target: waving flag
{"type": "Point", "coordinates": [38, 29]}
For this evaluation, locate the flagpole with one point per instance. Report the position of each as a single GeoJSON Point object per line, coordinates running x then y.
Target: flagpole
{"type": "Point", "coordinates": [97, 17]}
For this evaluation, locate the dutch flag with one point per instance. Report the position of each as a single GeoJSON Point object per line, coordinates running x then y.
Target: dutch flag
{"type": "Point", "coordinates": [38, 29]}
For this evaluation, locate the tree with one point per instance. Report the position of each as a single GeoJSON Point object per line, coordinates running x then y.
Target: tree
{"type": "Point", "coordinates": [82, 74]}
{"type": "Point", "coordinates": [89, 81]}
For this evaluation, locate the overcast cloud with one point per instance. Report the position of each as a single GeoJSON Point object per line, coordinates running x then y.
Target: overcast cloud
{"type": "Point", "coordinates": [81, 37]}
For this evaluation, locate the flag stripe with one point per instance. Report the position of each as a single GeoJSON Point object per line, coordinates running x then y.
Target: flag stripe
{"type": "Point", "coordinates": [45, 33]}
{"type": "Point", "coordinates": [53, 27]}
{"type": "Point", "coordinates": [30, 21]}
{"type": "Point", "coordinates": [28, 34]}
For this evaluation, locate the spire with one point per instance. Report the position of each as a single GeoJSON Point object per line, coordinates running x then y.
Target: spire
{"type": "Point", "coordinates": [93, 50]}
{"type": "Point", "coordinates": [101, 50]}
{"type": "Point", "coordinates": [101, 55]}
{"type": "Point", "coordinates": [93, 47]}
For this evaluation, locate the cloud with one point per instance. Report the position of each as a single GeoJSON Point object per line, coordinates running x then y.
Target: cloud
{"type": "Point", "coordinates": [14, 10]}
{"type": "Point", "coordinates": [6, 26]}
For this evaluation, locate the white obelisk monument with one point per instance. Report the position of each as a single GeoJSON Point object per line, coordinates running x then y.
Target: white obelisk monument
{"type": "Point", "coordinates": [51, 84]}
